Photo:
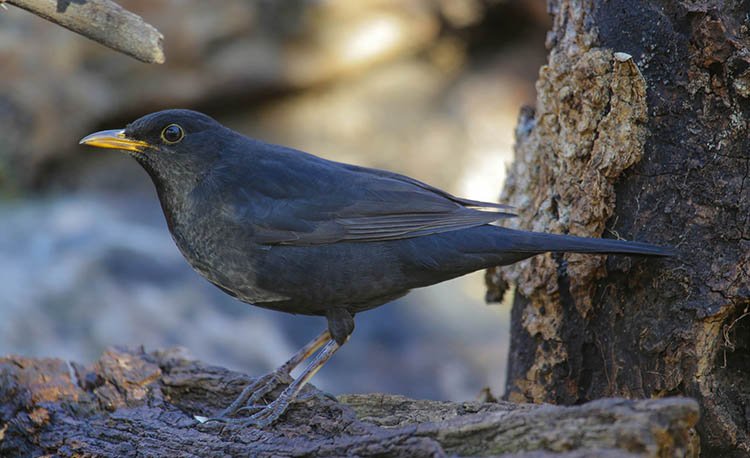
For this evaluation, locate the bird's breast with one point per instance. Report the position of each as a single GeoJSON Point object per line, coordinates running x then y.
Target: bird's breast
{"type": "Point", "coordinates": [221, 250]}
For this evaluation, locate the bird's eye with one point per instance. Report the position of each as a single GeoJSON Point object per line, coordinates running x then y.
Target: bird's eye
{"type": "Point", "coordinates": [172, 133]}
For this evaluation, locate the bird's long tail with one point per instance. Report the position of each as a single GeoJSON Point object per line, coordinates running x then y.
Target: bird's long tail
{"type": "Point", "coordinates": [535, 242]}
{"type": "Point", "coordinates": [447, 255]}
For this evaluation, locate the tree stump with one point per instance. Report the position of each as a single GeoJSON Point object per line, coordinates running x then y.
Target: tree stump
{"type": "Point", "coordinates": [131, 403]}
{"type": "Point", "coordinates": [640, 131]}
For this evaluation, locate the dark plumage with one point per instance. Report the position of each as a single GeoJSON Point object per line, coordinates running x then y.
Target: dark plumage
{"type": "Point", "coordinates": [289, 231]}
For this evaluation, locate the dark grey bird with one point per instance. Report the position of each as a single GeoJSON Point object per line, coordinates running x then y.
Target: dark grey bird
{"type": "Point", "coordinates": [285, 230]}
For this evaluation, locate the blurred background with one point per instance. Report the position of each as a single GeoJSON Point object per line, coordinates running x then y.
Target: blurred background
{"type": "Point", "coordinates": [429, 88]}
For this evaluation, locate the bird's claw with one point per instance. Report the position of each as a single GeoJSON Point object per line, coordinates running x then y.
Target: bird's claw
{"type": "Point", "coordinates": [251, 395]}
{"type": "Point", "coordinates": [268, 414]}
{"type": "Point", "coordinates": [263, 415]}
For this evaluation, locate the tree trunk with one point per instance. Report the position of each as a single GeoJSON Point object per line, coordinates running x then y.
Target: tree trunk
{"type": "Point", "coordinates": [653, 148]}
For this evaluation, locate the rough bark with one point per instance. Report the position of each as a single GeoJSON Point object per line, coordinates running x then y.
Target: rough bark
{"type": "Point", "coordinates": [652, 149]}
{"type": "Point", "coordinates": [103, 21]}
{"type": "Point", "coordinates": [131, 403]}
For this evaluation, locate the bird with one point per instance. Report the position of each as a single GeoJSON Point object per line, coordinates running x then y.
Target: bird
{"type": "Point", "coordinates": [289, 231]}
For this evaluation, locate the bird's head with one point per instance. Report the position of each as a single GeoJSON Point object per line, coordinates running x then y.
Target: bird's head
{"type": "Point", "coordinates": [174, 146]}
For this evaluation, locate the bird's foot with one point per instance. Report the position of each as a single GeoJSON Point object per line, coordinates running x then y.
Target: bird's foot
{"type": "Point", "coordinates": [264, 414]}
{"type": "Point", "coordinates": [250, 398]}
{"type": "Point", "coordinates": [271, 412]}
{"type": "Point", "coordinates": [252, 395]}
{"type": "Point", "coordinates": [267, 414]}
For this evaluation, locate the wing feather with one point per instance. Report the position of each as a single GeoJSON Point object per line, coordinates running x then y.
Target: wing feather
{"type": "Point", "coordinates": [294, 198]}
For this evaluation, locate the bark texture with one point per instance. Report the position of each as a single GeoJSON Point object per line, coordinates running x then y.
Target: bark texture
{"type": "Point", "coordinates": [130, 403]}
{"type": "Point", "coordinates": [652, 148]}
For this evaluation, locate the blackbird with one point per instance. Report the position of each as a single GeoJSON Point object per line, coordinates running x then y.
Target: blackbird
{"type": "Point", "coordinates": [285, 230]}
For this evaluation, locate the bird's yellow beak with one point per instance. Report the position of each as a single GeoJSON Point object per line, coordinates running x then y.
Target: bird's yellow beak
{"type": "Point", "coordinates": [114, 139]}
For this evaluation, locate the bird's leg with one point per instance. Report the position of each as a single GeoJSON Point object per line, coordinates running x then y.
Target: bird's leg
{"type": "Point", "coordinates": [305, 352]}
{"type": "Point", "coordinates": [253, 392]}
{"type": "Point", "coordinates": [340, 327]}
{"type": "Point", "coordinates": [273, 411]}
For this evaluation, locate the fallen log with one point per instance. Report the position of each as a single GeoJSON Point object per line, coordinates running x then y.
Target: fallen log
{"type": "Point", "coordinates": [130, 402]}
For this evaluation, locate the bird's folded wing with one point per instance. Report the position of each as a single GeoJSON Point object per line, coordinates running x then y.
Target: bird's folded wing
{"type": "Point", "coordinates": [386, 176]}
{"type": "Point", "coordinates": [370, 205]}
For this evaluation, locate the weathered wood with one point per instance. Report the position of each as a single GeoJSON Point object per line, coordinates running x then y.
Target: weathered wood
{"type": "Point", "coordinates": [130, 402]}
{"type": "Point", "coordinates": [653, 149]}
{"type": "Point", "coordinates": [103, 21]}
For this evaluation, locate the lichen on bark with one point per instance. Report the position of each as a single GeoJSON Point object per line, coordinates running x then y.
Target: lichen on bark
{"type": "Point", "coordinates": [588, 127]}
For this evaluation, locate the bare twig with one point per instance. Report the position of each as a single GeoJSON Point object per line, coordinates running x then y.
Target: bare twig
{"type": "Point", "coordinates": [104, 21]}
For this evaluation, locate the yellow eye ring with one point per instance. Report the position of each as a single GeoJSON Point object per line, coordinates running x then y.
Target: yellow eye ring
{"type": "Point", "coordinates": [172, 134]}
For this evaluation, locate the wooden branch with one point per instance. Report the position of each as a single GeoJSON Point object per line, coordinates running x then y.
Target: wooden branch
{"type": "Point", "coordinates": [130, 402]}
{"type": "Point", "coordinates": [104, 21]}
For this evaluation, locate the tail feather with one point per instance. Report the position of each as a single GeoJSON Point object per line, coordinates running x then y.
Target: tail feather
{"type": "Point", "coordinates": [537, 242]}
